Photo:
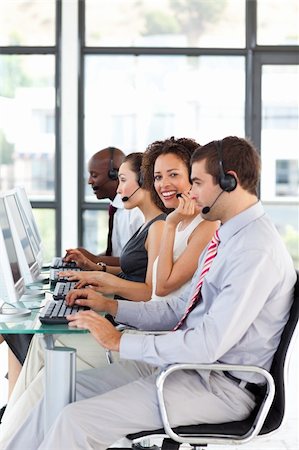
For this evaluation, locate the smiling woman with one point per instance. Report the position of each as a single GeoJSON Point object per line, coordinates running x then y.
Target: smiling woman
{"type": "Point", "coordinates": [166, 166]}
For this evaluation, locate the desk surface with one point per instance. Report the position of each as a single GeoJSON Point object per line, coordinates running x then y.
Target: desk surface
{"type": "Point", "coordinates": [32, 325]}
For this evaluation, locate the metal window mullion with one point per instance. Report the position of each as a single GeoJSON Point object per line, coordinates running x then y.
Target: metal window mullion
{"type": "Point", "coordinates": [58, 171]}
{"type": "Point", "coordinates": [81, 107]}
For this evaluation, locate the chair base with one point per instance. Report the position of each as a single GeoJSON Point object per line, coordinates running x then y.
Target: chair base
{"type": "Point", "coordinates": [139, 446]}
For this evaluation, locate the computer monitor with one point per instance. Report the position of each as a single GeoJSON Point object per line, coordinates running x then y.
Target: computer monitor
{"type": "Point", "coordinates": [28, 264]}
{"type": "Point", "coordinates": [12, 285]}
{"type": "Point", "coordinates": [30, 224]}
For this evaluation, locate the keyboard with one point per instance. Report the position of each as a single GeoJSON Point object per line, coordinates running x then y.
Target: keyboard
{"type": "Point", "coordinates": [55, 312]}
{"type": "Point", "coordinates": [54, 272]}
{"type": "Point", "coordinates": [58, 263]}
{"type": "Point", "coordinates": [62, 288]}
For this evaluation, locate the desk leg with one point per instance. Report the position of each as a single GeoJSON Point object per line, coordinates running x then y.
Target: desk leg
{"type": "Point", "coordinates": [60, 379]}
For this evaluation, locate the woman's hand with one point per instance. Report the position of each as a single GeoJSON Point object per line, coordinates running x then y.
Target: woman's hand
{"type": "Point", "coordinates": [84, 278]}
{"type": "Point", "coordinates": [101, 329]}
{"type": "Point", "coordinates": [73, 254]}
{"type": "Point", "coordinates": [186, 209]}
{"type": "Point", "coordinates": [100, 281]}
{"type": "Point", "coordinates": [104, 282]}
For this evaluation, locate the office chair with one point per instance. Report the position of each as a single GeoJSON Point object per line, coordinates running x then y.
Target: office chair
{"type": "Point", "coordinates": [266, 417]}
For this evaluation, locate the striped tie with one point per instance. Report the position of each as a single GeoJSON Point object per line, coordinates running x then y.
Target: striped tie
{"type": "Point", "coordinates": [211, 253]}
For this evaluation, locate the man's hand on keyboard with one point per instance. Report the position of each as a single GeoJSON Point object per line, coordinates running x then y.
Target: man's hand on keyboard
{"type": "Point", "coordinates": [102, 330]}
{"type": "Point", "coordinates": [95, 300]}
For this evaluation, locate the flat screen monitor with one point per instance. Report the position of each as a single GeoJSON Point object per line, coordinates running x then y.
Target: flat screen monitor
{"type": "Point", "coordinates": [28, 264]}
{"type": "Point", "coordinates": [30, 223]}
{"type": "Point", "coordinates": [12, 284]}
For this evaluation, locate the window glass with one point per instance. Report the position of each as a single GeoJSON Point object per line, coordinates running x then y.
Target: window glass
{"type": "Point", "coordinates": [27, 123]}
{"type": "Point", "coordinates": [95, 230]}
{"type": "Point", "coordinates": [24, 22]}
{"type": "Point", "coordinates": [280, 132]}
{"type": "Point", "coordinates": [286, 219]}
{"type": "Point", "coordinates": [280, 157]}
{"type": "Point", "coordinates": [45, 219]}
{"type": "Point", "coordinates": [133, 101]}
{"type": "Point", "coordinates": [165, 23]}
{"type": "Point", "coordinates": [278, 22]}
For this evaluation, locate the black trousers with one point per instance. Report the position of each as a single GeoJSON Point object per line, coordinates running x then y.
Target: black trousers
{"type": "Point", "coordinates": [18, 344]}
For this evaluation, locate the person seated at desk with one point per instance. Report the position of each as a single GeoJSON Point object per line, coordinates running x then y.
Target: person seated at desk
{"type": "Point", "coordinates": [215, 319]}
{"type": "Point", "coordinates": [103, 169]}
{"type": "Point", "coordinates": [166, 168]}
{"type": "Point", "coordinates": [133, 279]}
{"type": "Point", "coordinates": [170, 161]}
{"type": "Point", "coordinates": [137, 259]}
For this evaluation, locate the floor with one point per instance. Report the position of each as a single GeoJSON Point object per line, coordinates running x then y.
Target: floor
{"type": "Point", "coordinates": [287, 438]}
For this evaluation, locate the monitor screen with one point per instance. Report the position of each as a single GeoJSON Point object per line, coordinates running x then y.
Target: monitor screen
{"type": "Point", "coordinates": [9, 243]}
{"type": "Point", "coordinates": [21, 230]}
{"type": "Point", "coordinates": [26, 208]}
{"type": "Point", "coordinates": [30, 232]}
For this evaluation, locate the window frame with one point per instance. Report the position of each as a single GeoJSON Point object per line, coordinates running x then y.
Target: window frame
{"type": "Point", "coordinates": [255, 57]}
{"type": "Point", "coordinates": [55, 51]}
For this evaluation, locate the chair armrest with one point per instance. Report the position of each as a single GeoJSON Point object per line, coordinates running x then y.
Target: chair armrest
{"type": "Point", "coordinates": [216, 439]}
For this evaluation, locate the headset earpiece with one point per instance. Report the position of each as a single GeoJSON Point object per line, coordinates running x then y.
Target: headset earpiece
{"type": "Point", "coordinates": [112, 172]}
{"type": "Point", "coordinates": [227, 181]}
{"type": "Point", "coordinates": [140, 180]}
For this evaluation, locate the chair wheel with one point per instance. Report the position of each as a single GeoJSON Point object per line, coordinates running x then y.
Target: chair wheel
{"type": "Point", "coordinates": [139, 446]}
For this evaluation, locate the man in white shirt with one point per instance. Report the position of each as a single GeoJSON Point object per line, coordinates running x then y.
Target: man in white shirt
{"type": "Point", "coordinates": [103, 178]}
{"type": "Point", "coordinates": [237, 317]}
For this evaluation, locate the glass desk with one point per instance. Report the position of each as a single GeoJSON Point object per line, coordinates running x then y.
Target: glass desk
{"type": "Point", "coordinates": [60, 362]}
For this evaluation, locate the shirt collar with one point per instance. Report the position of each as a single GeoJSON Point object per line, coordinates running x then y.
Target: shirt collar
{"type": "Point", "coordinates": [241, 220]}
{"type": "Point", "coordinates": [117, 202]}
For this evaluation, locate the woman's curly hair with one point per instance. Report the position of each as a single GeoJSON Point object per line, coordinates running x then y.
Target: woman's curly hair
{"type": "Point", "coordinates": [183, 148]}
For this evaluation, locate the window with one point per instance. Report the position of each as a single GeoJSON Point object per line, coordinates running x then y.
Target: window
{"type": "Point", "coordinates": [203, 69]}
{"type": "Point", "coordinates": [278, 22]}
{"type": "Point", "coordinates": [287, 177]}
{"type": "Point", "coordinates": [28, 107]}
{"type": "Point", "coordinates": [165, 23]}
{"type": "Point", "coordinates": [174, 67]}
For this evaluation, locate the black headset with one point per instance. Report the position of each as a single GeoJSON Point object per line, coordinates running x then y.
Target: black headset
{"type": "Point", "coordinates": [227, 181]}
{"type": "Point", "coordinates": [112, 172]}
{"type": "Point", "coordinates": [140, 179]}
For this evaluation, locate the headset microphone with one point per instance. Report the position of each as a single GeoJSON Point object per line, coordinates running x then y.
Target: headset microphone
{"type": "Point", "coordinates": [207, 209]}
{"type": "Point", "coordinates": [125, 199]}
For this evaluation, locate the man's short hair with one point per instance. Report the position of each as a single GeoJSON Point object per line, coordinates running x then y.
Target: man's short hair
{"type": "Point", "coordinates": [238, 155]}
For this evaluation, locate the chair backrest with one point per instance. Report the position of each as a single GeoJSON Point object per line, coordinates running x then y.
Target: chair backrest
{"type": "Point", "coordinates": [276, 413]}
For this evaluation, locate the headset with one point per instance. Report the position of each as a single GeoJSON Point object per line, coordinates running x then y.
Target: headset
{"type": "Point", "coordinates": [140, 179]}
{"type": "Point", "coordinates": [112, 172]}
{"type": "Point", "coordinates": [227, 181]}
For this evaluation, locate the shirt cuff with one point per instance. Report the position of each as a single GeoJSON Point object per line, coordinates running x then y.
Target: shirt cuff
{"type": "Point", "coordinates": [131, 346]}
